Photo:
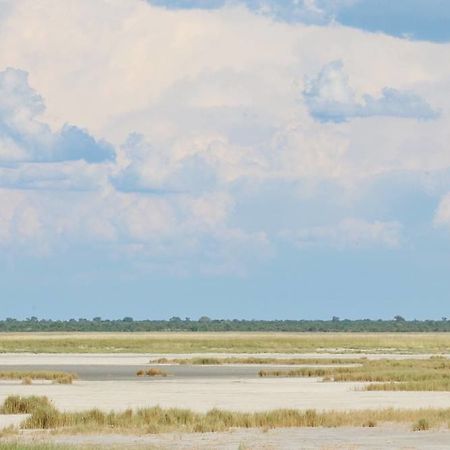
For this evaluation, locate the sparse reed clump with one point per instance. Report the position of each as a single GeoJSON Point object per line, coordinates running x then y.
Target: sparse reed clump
{"type": "Point", "coordinates": [421, 425]}
{"type": "Point", "coordinates": [15, 404]}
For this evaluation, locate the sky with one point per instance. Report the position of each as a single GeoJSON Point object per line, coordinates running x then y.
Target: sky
{"type": "Point", "coordinates": [254, 159]}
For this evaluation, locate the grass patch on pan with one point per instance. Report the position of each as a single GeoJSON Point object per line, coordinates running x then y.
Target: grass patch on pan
{"type": "Point", "coordinates": [15, 404]}
{"type": "Point", "coordinates": [199, 361]}
{"type": "Point", "coordinates": [27, 377]}
{"type": "Point", "coordinates": [45, 416]}
{"type": "Point", "coordinates": [431, 374]}
{"type": "Point", "coordinates": [152, 372]}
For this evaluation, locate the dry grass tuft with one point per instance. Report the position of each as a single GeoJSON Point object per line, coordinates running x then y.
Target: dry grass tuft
{"type": "Point", "coordinates": [56, 377]}
{"type": "Point", "coordinates": [421, 425]}
{"type": "Point", "coordinates": [15, 404]}
{"type": "Point", "coordinates": [152, 372]}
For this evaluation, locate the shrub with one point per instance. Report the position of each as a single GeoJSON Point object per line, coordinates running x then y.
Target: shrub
{"type": "Point", "coordinates": [153, 372]}
{"type": "Point", "coordinates": [43, 417]}
{"type": "Point", "coordinates": [421, 425]}
{"type": "Point", "coordinates": [370, 424]}
{"type": "Point", "coordinates": [14, 404]}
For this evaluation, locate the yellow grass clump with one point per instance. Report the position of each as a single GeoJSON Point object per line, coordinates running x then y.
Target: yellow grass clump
{"type": "Point", "coordinates": [27, 377]}
{"type": "Point", "coordinates": [155, 420]}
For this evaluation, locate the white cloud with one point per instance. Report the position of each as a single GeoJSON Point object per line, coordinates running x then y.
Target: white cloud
{"type": "Point", "coordinates": [24, 138]}
{"type": "Point", "coordinates": [330, 98]}
{"type": "Point", "coordinates": [442, 215]}
{"type": "Point", "coordinates": [196, 110]}
{"type": "Point", "coordinates": [349, 233]}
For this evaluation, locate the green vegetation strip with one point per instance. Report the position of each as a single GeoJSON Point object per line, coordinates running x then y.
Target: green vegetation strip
{"type": "Point", "coordinates": [225, 343]}
{"type": "Point", "coordinates": [206, 324]}
{"type": "Point", "coordinates": [256, 361]}
{"type": "Point", "coordinates": [57, 377]}
{"type": "Point", "coordinates": [387, 375]}
{"type": "Point", "coordinates": [45, 416]}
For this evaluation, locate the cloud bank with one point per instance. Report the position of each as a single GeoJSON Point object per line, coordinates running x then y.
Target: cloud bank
{"type": "Point", "coordinates": [178, 141]}
{"type": "Point", "coordinates": [23, 138]}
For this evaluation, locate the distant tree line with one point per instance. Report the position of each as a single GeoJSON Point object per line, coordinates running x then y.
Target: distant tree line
{"type": "Point", "coordinates": [397, 324]}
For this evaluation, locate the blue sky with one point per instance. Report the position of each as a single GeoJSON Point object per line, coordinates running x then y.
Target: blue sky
{"type": "Point", "coordinates": [412, 19]}
{"type": "Point", "coordinates": [242, 159]}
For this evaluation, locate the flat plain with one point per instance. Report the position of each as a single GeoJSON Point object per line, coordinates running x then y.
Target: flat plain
{"type": "Point", "coordinates": [213, 381]}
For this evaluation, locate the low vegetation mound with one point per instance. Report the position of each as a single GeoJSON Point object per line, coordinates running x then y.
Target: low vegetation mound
{"type": "Point", "coordinates": [152, 372]}
{"type": "Point", "coordinates": [43, 415]}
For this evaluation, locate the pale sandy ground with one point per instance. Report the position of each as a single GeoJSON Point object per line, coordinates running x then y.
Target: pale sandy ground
{"type": "Point", "coordinates": [8, 420]}
{"type": "Point", "coordinates": [237, 395]}
{"type": "Point", "coordinates": [202, 394]}
{"type": "Point", "coordinates": [382, 438]}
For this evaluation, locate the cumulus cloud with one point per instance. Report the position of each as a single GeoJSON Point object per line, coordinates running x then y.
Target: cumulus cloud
{"type": "Point", "coordinates": [330, 98]}
{"type": "Point", "coordinates": [442, 215]}
{"type": "Point", "coordinates": [180, 234]}
{"type": "Point", "coordinates": [24, 138]}
{"type": "Point", "coordinates": [154, 168]}
{"type": "Point", "coordinates": [205, 122]}
{"type": "Point", "coordinates": [57, 176]}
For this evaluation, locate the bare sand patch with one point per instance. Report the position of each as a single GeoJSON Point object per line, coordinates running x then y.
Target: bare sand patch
{"type": "Point", "coordinates": [229, 394]}
{"type": "Point", "coordinates": [348, 438]}
{"type": "Point", "coordinates": [14, 420]}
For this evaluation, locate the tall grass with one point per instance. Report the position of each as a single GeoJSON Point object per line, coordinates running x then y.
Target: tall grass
{"type": "Point", "coordinates": [15, 404]}
{"type": "Point", "coordinates": [224, 342]}
{"type": "Point", "coordinates": [156, 420]}
{"type": "Point", "coordinates": [431, 374]}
